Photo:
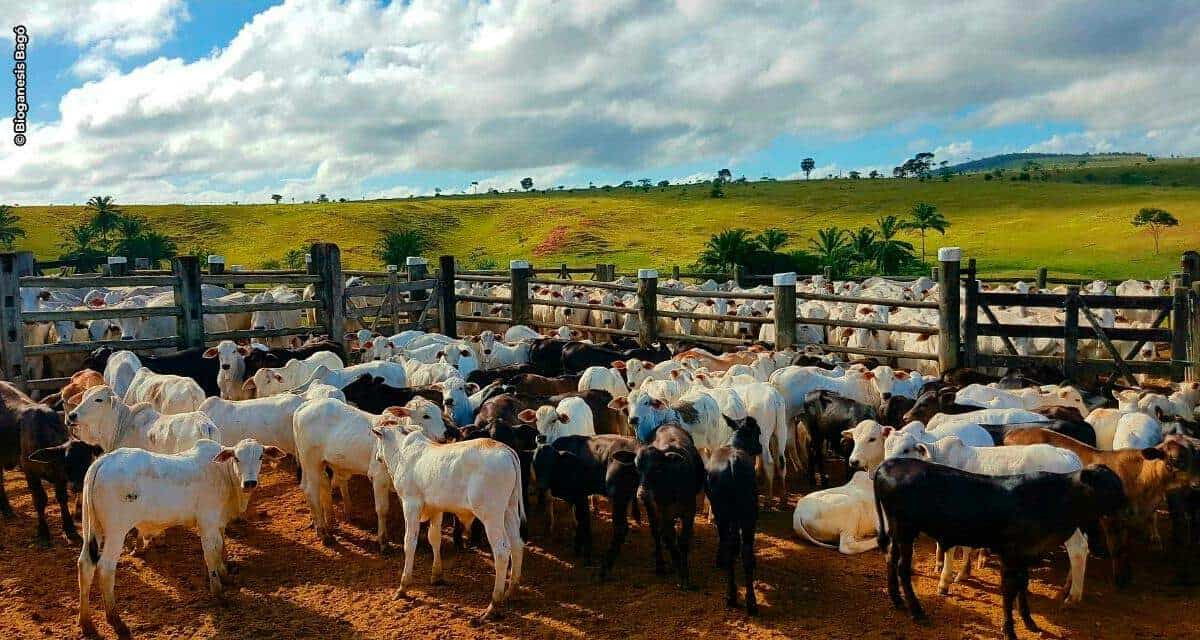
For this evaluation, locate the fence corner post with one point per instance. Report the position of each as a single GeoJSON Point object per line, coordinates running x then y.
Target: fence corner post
{"type": "Point", "coordinates": [949, 313]}
{"type": "Point", "coordinates": [447, 314]}
{"type": "Point", "coordinates": [418, 269]}
{"type": "Point", "coordinates": [1041, 278]}
{"type": "Point", "coordinates": [647, 293]}
{"type": "Point", "coordinates": [1189, 263]}
{"type": "Point", "coordinates": [327, 263]}
{"type": "Point", "coordinates": [1193, 370]}
{"type": "Point", "coordinates": [12, 331]}
{"type": "Point", "coordinates": [190, 322]}
{"type": "Point", "coordinates": [1071, 334]}
{"type": "Point", "coordinates": [216, 265]}
{"type": "Point", "coordinates": [785, 310]}
{"type": "Point", "coordinates": [675, 272]}
{"type": "Point", "coordinates": [1180, 316]}
{"type": "Point", "coordinates": [117, 266]}
{"type": "Point", "coordinates": [519, 273]}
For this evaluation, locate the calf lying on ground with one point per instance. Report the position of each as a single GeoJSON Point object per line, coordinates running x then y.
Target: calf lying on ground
{"type": "Point", "coordinates": [204, 486]}
{"type": "Point", "coordinates": [1018, 518]}
{"type": "Point", "coordinates": [841, 518]}
{"type": "Point", "coordinates": [573, 468]}
{"type": "Point", "coordinates": [732, 490]}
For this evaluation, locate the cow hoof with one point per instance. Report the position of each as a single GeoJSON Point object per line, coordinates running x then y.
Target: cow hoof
{"type": "Point", "coordinates": [87, 629]}
{"type": "Point", "coordinates": [751, 609]}
{"type": "Point", "coordinates": [328, 540]}
{"type": "Point", "coordinates": [732, 603]}
{"type": "Point", "coordinates": [43, 542]}
{"type": "Point", "coordinates": [438, 582]}
{"type": "Point", "coordinates": [401, 594]}
{"type": "Point", "coordinates": [943, 591]}
{"type": "Point", "coordinates": [74, 538]}
{"type": "Point", "coordinates": [385, 549]}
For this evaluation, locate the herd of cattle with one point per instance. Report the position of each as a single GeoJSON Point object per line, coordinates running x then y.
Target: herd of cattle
{"type": "Point", "coordinates": [476, 427]}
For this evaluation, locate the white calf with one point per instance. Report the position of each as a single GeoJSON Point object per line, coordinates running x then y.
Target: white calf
{"type": "Point", "coordinates": [572, 417]}
{"type": "Point", "coordinates": [102, 419]}
{"type": "Point", "coordinates": [166, 393]}
{"type": "Point", "coordinates": [119, 371]}
{"type": "Point", "coordinates": [267, 420]}
{"type": "Point", "coordinates": [205, 486]}
{"type": "Point", "coordinates": [844, 514]}
{"type": "Point", "coordinates": [604, 379]}
{"type": "Point", "coordinates": [473, 479]}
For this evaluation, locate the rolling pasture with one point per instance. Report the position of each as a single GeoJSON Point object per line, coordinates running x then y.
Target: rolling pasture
{"type": "Point", "coordinates": [1073, 226]}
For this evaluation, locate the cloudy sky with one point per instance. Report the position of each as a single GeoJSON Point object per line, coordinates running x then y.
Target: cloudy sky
{"type": "Point", "coordinates": [214, 101]}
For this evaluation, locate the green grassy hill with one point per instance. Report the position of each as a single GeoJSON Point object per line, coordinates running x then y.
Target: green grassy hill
{"type": "Point", "coordinates": [1009, 226]}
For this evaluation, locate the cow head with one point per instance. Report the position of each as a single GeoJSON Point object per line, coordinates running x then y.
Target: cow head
{"type": "Point", "coordinates": [246, 457]}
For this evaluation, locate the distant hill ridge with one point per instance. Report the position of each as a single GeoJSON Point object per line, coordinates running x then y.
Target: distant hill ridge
{"type": "Point", "coordinates": [1017, 160]}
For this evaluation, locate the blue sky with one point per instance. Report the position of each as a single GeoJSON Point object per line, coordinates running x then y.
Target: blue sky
{"type": "Point", "coordinates": [219, 101]}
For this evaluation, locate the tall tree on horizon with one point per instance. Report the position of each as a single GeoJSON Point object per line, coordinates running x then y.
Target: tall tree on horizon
{"type": "Point", "coordinates": [921, 218]}
{"type": "Point", "coordinates": [807, 165]}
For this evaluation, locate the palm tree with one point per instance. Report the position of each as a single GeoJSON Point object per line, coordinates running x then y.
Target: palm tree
{"type": "Point", "coordinates": [395, 246]}
{"type": "Point", "coordinates": [149, 244]}
{"type": "Point", "coordinates": [863, 245]}
{"type": "Point", "coordinates": [106, 216]}
{"type": "Point", "coordinates": [890, 253]}
{"type": "Point", "coordinates": [10, 227]}
{"type": "Point", "coordinates": [772, 239]}
{"type": "Point", "coordinates": [79, 246]}
{"type": "Point", "coordinates": [830, 246]}
{"type": "Point", "coordinates": [921, 218]}
{"type": "Point", "coordinates": [728, 248]}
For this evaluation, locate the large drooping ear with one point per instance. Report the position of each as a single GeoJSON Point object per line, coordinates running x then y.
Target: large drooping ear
{"type": "Point", "coordinates": [399, 412]}
{"type": "Point", "coordinates": [76, 399]}
{"type": "Point", "coordinates": [618, 365]}
{"type": "Point", "coordinates": [249, 385]}
{"type": "Point", "coordinates": [886, 431]}
{"type": "Point", "coordinates": [528, 416]}
{"type": "Point", "coordinates": [564, 418]}
{"type": "Point", "coordinates": [647, 365]}
{"type": "Point", "coordinates": [271, 451]}
{"type": "Point", "coordinates": [210, 352]}
{"type": "Point", "coordinates": [226, 454]}
{"type": "Point", "coordinates": [49, 455]}
{"type": "Point", "coordinates": [848, 434]}
{"type": "Point", "coordinates": [619, 403]}
{"type": "Point", "coordinates": [243, 351]}
{"type": "Point", "coordinates": [923, 450]}
{"type": "Point", "coordinates": [658, 404]}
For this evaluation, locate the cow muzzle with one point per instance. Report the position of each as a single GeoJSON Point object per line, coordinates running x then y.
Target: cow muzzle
{"type": "Point", "coordinates": [249, 484]}
{"type": "Point", "coordinates": [225, 367]}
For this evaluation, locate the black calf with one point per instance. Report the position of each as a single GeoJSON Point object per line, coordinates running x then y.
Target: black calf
{"type": "Point", "coordinates": [671, 476]}
{"type": "Point", "coordinates": [732, 490]}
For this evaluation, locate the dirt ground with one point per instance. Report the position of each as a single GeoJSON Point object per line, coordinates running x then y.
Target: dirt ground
{"type": "Point", "coordinates": [289, 586]}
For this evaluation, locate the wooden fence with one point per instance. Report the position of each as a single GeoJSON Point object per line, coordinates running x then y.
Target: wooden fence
{"type": "Point", "coordinates": [333, 303]}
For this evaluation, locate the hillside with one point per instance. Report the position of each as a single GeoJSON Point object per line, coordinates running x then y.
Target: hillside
{"type": "Point", "coordinates": [1015, 161]}
{"type": "Point", "coordinates": [1009, 226]}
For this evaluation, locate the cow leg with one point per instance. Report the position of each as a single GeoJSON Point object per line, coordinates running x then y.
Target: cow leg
{"type": "Point", "coordinates": [107, 572]}
{"type": "Point", "coordinates": [685, 546]}
{"type": "Point", "coordinates": [620, 526]}
{"type": "Point", "coordinates": [727, 544]}
{"type": "Point", "coordinates": [86, 564]}
{"type": "Point", "coordinates": [412, 528]}
{"type": "Point", "coordinates": [502, 555]}
{"type": "Point", "coordinates": [1117, 532]}
{"type": "Point", "coordinates": [748, 565]}
{"type": "Point", "coordinates": [939, 557]}
{"type": "Point", "coordinates": [210, 541]}
{"type": "Point", "coordinates": [64, 505]}
{"type": "Point", "coordinates": [943, 587]}
{"type": "Point", "coordinates": [512, 526]}
{"type": "Point", "coordinates": [893, 579]}
{"type": "Point", "coordinates": [39, 505]}
{"type": "Point", "coordinates": [315, 485]}
{"type": "Point", "coordinates": [904, 568]}
{"type": "Point", "coordinates": [671, 541]}
{"type": "Point", "coordinates": [652, 516]}
{"type": "Point", "coordinates": [583, 529]}
{"type": "Point", "coordinates": [1008, 589]}
{"type": "Point", "coordinates": [5, 508]}
{"type": "Point", "coordinates": [969, 557]}
{"type": "Point", "coordinates": [435, 543]}
{"type": "Point", "coordinates": [381, 489]}
{"type": "Point", "coordinates": [816, 450]}
{"type": "Point", "coordinates": [1077, 552]}
{"type": "Point", "coordinates": [1023, 600]}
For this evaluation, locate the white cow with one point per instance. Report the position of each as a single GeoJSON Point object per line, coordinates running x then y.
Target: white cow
{"type": "Point", "coordinates": [119, 371]}
{"type": "Point", "coordinates": [764, 403]}
{"type": "Point", "coordinates": [990, 398]}
{"type": "Point", "coordinates": [166, 393]}
{"type": "Point", "coordinates": [473, 479]}
{"type": "Point", "coordinates": [572, 417]}
{"type": "Point", "coordinates": [604, 379]}
{"type": "Point", "coordinates": [102, 419]}
{"type": "Point", "coordinates": [986, 417]}
{"type": "Point", "coordinates": [267, 420]}
{"type": "Point", "coordinates": [331, 434]}
{"type": "Point", "coordinates": [844, 514]}
{"type": "Point", "coordinates": [272, 380]}
{"type": "Point", "coordinates": [205, 486]}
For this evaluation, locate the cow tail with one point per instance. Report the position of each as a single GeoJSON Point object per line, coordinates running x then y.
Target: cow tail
{"type": "Point", "coordinates": [518, 490]}
{"type": "Point", "coordinates": [882, 536]}
{"type": "Point", "coordinates": [799, 453]}
{"type": "Point", "coordinates": [808, 536]}
{"type": "Point", "coordinates": [93, 535]}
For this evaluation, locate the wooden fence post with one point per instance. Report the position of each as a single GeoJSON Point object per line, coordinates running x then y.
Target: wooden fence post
{"type": "Point", "coordinates": [1071, 334]}
{"type": "Point", "coordinates": [418, 269]}
{"type": "Point", "coordinates": [1193, 371]}
{"type": "Point", "coordinates": [970, 317]}
{"type": "Point", "coordinates": [216, 265]}
{"type": "Point", "coordinates": [610, 272]}
{"type": "Point", "coordinates": [601, 272]}
{"type": "Point", "coordinates": [563, 274]}
{"type": "Point", "coordinates": [647, 307]}
{"type": "Point", "coordinates": [519, 273]}
{"type": "Point", "coordinates": [189, 325]}
{"type": "Point", "coordinates": [1190, 264]}
{"type": "Point", "coordinates": [785, 310]}
{"type": "Point", "coordinates": [1179, 331]}
{"type": "Point", "coordinates": [935, 273]}
{"type": "Point", "coordinates": [675, 272]}
{"type": "Point", "coordinates": [12, 331]}
{"type": "Point", "coordinates": [118, 266]}
{"type": "Point", "coordinates": [391, 302]}
{"type": "Point", "coordinates": [828, 273]}
{"type": "Point", "coordinates": [447, 314]}
{"type": "Point", "coordinates": [949, 325]}
{"type": "Point", "coordinates": [327, 263]}
{"type": "Point", "coordinates": [1041, 278]}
